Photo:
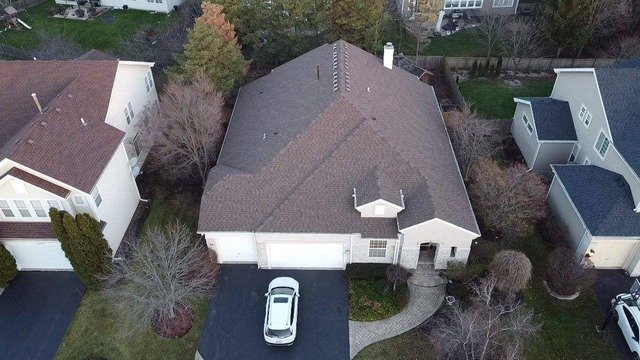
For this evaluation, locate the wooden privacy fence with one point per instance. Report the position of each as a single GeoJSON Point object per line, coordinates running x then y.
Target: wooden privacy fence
{"type": "Point", "coordinates": [22, 4]}
{"type": "Point", "coordinates": [465, 63]}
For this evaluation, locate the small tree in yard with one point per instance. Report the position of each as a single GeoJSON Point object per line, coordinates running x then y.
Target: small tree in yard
{"type": "Point", "coordinates": [158, 282]}
{"type": "Point", "coordinates": [473, 73]}
{"type": "Point", "coordinates": [489, 31]}
{"type": "Point", "coordinates": [84, 245]}
{"type": "Point", "coordinates": [8, 267]}
{"type": "Point", "coordinates": [55, 47]}
{"type": "Point", "coordinates": [186, 127]}
{"type": "Point", "coordinates": [472, 138]}
{"type": "Point", "coordinates": [397, 274]}
{"type": "Point", "coordinates": [213, 49]}
{"type": "Point", "coordinates": [512, 270]}
{"type": "Point", "coordinates": [568, 273]}
{"type": "Point", "coordinates": [507, 199]}
{"type": "Point", "coordinates": [489, 328]}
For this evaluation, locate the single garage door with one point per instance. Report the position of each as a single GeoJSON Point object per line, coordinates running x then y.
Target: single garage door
{"type": "Point", "coordinates": [38, 254]}
{"type": "Point", "coordinates": [236, 248]}
{"type": "Point", "coordinates": [612, 253]}
{"type": "Point", "coordinates": [309, 256]}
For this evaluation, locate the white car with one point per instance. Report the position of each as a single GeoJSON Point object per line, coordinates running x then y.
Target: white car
{"type": "Point", "coordinates": [627, 315]}
{"type": "Point", "coordinates": [281, 314]}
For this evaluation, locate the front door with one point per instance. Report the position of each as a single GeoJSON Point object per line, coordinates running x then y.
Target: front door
{"type": "Point", "coordinates": [427, 253]}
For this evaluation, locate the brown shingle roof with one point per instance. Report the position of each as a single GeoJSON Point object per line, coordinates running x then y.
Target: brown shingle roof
{"type": "Point", "coordinates": [56, 143]}
{"type": "Point", "coordinates": [296, 148]}
{"type": "Point", "coordinates": [39, 182]}
{"type": "Point", "coordinates": [378, 184]}
{"type": "Point", "coordinates": [26, 230]}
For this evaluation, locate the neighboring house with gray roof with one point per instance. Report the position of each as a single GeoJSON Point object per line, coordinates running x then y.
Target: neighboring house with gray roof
{"type": "Point", "coordinates": [68, 140]}
{"type": "Point", "coordinates": [595, 163]}
{"type": "Point", "coordinates": [334, 158]}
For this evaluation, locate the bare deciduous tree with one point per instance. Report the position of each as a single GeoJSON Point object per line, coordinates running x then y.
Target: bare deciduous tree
{"type": "Point", "coordinates": [512, 270]}
{"type": "Point", "coordinates": [55, 47]}
{"type": "Point", "coordinates": [507, 199]}
{"type": "Point", "coordinates": [397, 274]}
{"type": "Point", "coordinates": [186, 127]}
{"type": "Point", "coordinates": [568, 273]}
{"type": "Point", "coordinates": [521, 38]}
{"type": "Point", "coordinates": [473, 138]}
{"type": "Point", "coordinates": [486, 329]}
{"type": "Point", "coordinates": [162, 275]}
{"type": "Point", "coordinates": [624, 47]}
{"type": "Point", "coordinates": [490, 30]}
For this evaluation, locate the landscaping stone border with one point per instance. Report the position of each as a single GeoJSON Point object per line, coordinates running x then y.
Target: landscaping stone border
{"type": "Point", "coordinates": [558, 296]}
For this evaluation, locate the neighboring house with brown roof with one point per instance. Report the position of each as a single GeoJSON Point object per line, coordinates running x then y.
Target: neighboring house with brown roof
{"type": "Point", "coordinates": [586, 133]}
{"type": "Point", "coordinates": [68, 140]}
{"type": "Point", "coordinates": [334, 158]}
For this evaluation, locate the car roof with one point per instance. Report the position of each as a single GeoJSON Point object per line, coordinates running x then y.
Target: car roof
{"type": "Point", "coordinates": [279, 312]}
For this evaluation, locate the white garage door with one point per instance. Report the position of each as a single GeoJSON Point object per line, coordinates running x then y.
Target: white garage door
{"type": "Point", "coordinates": [611, 254]}
{"type": "Point", "coordinates": [38, 254]}
{"type": "Point", "coordinates": [311, 256]}
{"type": "Point", "coordinates": [237, 248]}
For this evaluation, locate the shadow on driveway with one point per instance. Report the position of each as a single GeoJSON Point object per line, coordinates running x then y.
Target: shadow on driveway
{"type": "Point", "coordinates": [35, 311]}
{"type": "Point", "coordinates": [609, 284]}
{"type": "Point", "coordinates": [235, 318]}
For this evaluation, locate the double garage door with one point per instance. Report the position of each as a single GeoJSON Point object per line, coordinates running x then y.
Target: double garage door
{"type": "Point", "coordinates": [242, 248]}
{"type": "Point", "coordinates": [38, 254]}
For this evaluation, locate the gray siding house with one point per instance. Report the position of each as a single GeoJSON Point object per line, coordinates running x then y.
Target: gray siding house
{"type": "Point", "coordinates": [407, 8]}
{"type": "Point", "coordinates": [337, 157]}
{"type": "Point", "coordinates": [586, 134]}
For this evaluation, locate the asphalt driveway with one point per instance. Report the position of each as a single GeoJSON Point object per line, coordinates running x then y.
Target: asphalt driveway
{"type": "Point", "coordinates": [609, 284]}
{"type": "Point", "coordinates": [35, 311]}
{"type": "Point", "coordinates": [235, 318]}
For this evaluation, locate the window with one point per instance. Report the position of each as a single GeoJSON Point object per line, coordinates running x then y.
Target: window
{"type": "Point", "coordinates": [632, 322]}
{"type": "Point", "coordinates": [602, 144]}
{"type": "Point", "coordinates": [158, 1]}
{"type": "Point", "coordinates": [21, 205]}
{"type": "Point", "coordinates": [378, 210]}
{"type": "Point", "coordinates": [19, 187]}
{"type": "Point", "coordinates": [454, 250]}
{"type": "Point", "coordinates": [502, 3]}
{"type": "Point", "coordinates": [148, 81]}
{"type": "Point", "coordinates": [6, 209]}
{"type": "Point", "coordinates": [527, 123]}
{"type": "Point", "coordinates": [136, 144]}
{"type": "Point", "coordinates": [38, 209]}
{"type": "Point", "coordinates": [574, 153]}
{"type": "Point", "coordinates": [377, 248]}
{"type": "Point", "coordinates": [586, 161]}
{"type": "Point", "coordinates": [583, 112]}
{"type": "Point", "coordinates": [54, 204]}
{"type": "Point", "coordinates": [79, 200]}
{"type": "Point", "coordinates": [462, 4]}
{"type": "Point", "coordinates": [587, 119]}
{"type": "Point", "coordinates": [128, 113]}
{"type": "Point", "coordinates": [96, 196]}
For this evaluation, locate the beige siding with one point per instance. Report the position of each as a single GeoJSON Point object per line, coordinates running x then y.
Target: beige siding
{"type": "Point", "coordinates": [579, 88]}
{"type": "Point", "coordinates": [552, 153]}
{"type": "Point", "coordinates": [561, 206]}
{"type": "Point", "coordinates": [527, 143]}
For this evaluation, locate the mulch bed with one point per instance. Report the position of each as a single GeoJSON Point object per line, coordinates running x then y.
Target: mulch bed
{"type": "Point", "coordinates": [179, 326]}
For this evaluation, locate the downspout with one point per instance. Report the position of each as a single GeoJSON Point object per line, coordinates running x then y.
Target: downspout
{"type": "Point", "coordinates": [396, 255]}
{"type": "Point", "coordinates": [351, 249]}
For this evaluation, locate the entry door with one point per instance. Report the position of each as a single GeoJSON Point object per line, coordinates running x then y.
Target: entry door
{"type": "Point", "coordinates": [306, 256]}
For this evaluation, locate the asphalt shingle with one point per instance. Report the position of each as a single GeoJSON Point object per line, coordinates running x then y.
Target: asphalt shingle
{"type": "Point", "coordinates": [603, 199]}
{"type": "Point", "coordinates": [552, 118]}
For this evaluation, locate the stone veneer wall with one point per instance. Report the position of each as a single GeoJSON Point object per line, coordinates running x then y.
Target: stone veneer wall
{"type": "Point", "coordinates": [443, 256]}
{"type": "Point", "coordinates": [360, 251]}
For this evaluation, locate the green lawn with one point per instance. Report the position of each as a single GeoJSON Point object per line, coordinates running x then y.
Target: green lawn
{"type": "Point", "coordinates": [493, 99]}
{"type": "Point", "coordinates": [97, 329]}
{"type": "Point", "coordinates": [165, 211]}
{"type": "Point", "coordinates": [462, 43]}
{"type": "Point", "coordinates": [412, 345]}
{"type": "Point", "coordinates": [568, 327]}
{"type": "Point", "coordinates": [368, 302]}
{"type": "Point", "coordinates": [90, 34]}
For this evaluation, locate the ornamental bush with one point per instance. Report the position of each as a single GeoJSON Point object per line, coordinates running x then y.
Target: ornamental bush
{"type": "Point", "coordinates": [8, 267]}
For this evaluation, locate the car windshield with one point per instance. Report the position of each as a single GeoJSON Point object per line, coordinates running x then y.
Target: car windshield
{"type": "Point", "coordinates": [282, 291]}
{"type": "Point", "coordinates": [279, 333]}
{"type": "Point", "coordinates": [280, 300]}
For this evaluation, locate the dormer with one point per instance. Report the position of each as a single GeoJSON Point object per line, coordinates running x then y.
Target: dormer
{"type": "Point", "coordinates": [376, 195]}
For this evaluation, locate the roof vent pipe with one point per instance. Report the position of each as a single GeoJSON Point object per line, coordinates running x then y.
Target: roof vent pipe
{"type": "Point", "coordinates": [387, 59]}
{"type": "Point", "coordinates": [35, 98]}
{"type": "Point", "coordinates": [83, 122]}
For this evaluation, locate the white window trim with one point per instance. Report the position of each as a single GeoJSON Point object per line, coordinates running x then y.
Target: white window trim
{"type": "Point", "coordinates": [95, 194]}
{"type": "Point", "coordinates": [503, 3]}
{"type": "Point", "coordinates": [588, 115]}
{"type": "Point", "coordinates": [602, 156]}
{"type": "Point", "coordinates": [527, 123]}
{"type": "Point", "coordinates": [76, 202]}
{"type": "Point", "coordinates": [33, 215]}
{"type": "Point", "coordinates": [582, 113]}
{"type": "Point", "coordinates": [577, 152]}
{"type": "Point", "coordinates": [383, 251]}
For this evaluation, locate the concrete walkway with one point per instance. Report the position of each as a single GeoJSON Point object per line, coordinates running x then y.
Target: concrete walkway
{"type": "Point", "coordinates": [427, 292]}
